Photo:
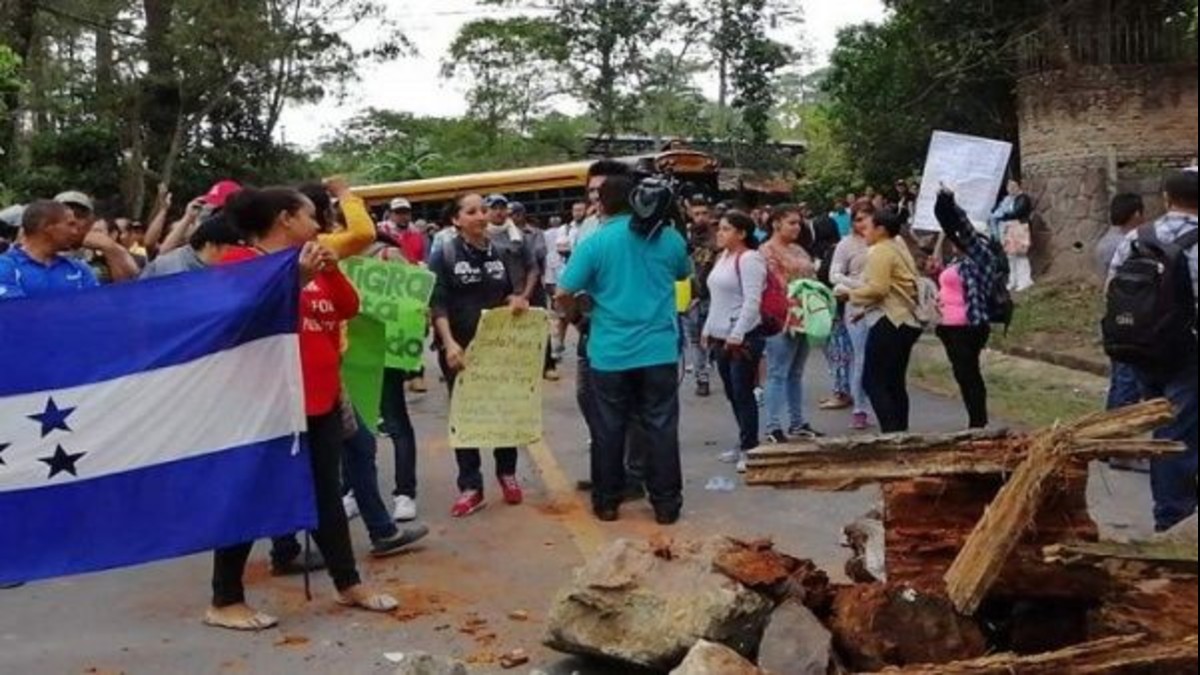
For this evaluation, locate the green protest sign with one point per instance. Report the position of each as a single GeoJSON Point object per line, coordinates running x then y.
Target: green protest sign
{"type": "Point", "coordinates": [397, 295]}
{"type": "Point", "coordinates": [362, 367]}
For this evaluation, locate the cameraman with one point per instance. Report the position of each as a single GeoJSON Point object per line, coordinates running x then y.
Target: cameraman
{"type": "Point", "coordinates": [630, 278]}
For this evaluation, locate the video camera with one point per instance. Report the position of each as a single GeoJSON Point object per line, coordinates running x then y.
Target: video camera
{"type": "Point", "coordinates": [658, 199]}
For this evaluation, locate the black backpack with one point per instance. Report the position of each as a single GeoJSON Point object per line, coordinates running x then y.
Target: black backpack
{"type": "Point", "coordinates": [1151, 318]}
{"type": "Point", "coordinates": [1001, 306]}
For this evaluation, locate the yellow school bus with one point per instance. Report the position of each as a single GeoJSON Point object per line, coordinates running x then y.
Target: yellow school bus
{"type": "Point", "coordinates": [545, 190]}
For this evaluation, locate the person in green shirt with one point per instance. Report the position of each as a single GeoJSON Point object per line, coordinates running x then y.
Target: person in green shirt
{"type": "Point", "coordinates": [633, 349]}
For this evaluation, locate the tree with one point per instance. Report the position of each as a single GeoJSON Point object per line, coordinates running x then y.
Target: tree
{"type": "Point", "coordinates": [603, 48]}
{"type": "Point", "coordinates": [513, 65]}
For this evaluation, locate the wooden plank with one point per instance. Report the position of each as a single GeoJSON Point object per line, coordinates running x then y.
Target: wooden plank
{"type": "Point", "coordinates": [1116, 656]}
{"type": "Point", "coordinates": [986, 551]}
{"type": "Point", "coordinates": [996, 536]}
{"type": "Point", "coordinates": [844, 470]}
{"type": "Point", "coordinates": [1175, 556]}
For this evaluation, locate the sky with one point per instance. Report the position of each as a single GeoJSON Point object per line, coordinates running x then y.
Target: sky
{"type": "Point", "coordinates": [414, 84]}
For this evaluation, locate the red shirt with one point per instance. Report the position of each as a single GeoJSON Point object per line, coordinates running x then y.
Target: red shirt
{"type": "Point", "coordinates": [325, 303]}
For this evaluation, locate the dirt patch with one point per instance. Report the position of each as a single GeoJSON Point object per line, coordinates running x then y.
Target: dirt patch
{"type": "Point", "coordinates": [418, 602]}
{"type": "Point", "coordinates": [559, 508]}
{"type": "Point", "coordinates": [293, 641]}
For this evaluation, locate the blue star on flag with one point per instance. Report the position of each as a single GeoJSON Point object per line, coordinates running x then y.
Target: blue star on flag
{"type": "Point", "coordinates": [62, 461]}
{"type": "Point", "coordinates": [54, 418]}
{"type": "Point", "coordinates": [3, 447]}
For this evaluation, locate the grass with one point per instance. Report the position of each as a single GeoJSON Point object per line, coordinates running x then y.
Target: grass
{"type": "Point", "coordinates": [1058, 316]}
{"type": "Point", "coordinates": [1023, 394]}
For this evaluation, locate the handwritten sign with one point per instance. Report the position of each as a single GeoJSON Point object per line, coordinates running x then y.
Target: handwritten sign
{"type": "Point", "coordinates": [497, 400]}
{"type": "Point", "coordinates": [973, 167]}
{"type": "Point", "coordinates": [397, 295]}
{"type": "Point", "coordinates": [362, 367]}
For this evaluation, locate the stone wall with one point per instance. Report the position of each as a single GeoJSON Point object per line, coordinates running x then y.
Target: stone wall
{"type": "Point", "coordinates": [1076, 125]}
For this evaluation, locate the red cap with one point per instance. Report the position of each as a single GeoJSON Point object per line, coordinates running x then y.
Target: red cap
{"type": "Point", "coordinates": [220, 193]}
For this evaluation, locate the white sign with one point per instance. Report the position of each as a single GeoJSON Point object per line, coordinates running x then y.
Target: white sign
{"type": "Point", "coordinates": [973, 167]}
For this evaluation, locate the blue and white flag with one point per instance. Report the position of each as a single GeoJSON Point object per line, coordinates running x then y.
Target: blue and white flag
{"type": "Point", "coordinates": [152, 420]}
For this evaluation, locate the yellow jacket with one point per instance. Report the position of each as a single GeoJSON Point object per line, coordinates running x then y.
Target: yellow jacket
{"type": "Point", "coordinates": [359, 233]}
{"type": "Point", "coordinates": [890, 283]}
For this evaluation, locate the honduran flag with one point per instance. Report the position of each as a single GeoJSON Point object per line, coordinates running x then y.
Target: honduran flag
{"type": "Point", "coordinates": [151, 420]}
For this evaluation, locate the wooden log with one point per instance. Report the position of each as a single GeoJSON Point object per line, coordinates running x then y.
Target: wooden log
{"type": "Point", "coordinates": [1005, 522]}
{"type": "Point", "coordinates": [1165, 608]}
{"type": "Point", "coordinates": [1134, 654]}
{"type": "Point", "coordinates": [994, 539]}
{"type": "Point", "coordinates": [845, 470]}
{"type": "Point", "coordinates": [927, 522]}
{"type": "Point", "coordinates": [1166, 555]}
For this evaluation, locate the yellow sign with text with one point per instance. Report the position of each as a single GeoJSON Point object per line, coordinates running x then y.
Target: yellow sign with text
{"type": "Point", "coordinates": [497, 400]}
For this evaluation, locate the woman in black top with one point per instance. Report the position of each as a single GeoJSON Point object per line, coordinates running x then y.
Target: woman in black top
{"type": "Point", "coordinates": [471, 277]}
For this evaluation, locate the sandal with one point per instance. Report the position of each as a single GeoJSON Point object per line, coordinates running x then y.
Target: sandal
{"type": "Point", "coordinates": [253, 623]}
{"type": "Point", "coordinates": [376, 602]}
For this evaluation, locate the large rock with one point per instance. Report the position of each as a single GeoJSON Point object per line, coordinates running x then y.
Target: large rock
{"type": "Point", "coordinates": [424, 664]}
{"type": "Point", "coordinates": [649, 604]}
{"type": "Point", "coordinates": [707, 658]}
{"type": "Point", "coordinates": [795, 643]}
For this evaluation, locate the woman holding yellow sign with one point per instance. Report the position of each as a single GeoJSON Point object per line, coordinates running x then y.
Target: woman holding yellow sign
{"type": "Point", "coordinates": [471, 277]}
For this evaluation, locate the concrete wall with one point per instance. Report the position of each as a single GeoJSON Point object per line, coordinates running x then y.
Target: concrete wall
{"type": "Point", "coordinates": [1078, 125]}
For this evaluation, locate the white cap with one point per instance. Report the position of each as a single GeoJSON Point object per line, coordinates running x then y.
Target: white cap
{"type": "Point", "coordinates": [12, 215]}
{"type": "Point", "coordinates": [75, 198]}
{"type": "Point", "coordinates": [401, 204]}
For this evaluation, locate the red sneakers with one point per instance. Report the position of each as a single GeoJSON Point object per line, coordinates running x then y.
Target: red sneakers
{"type": "Point", "coordinates": [468, 504]}
{"type": "Point", "coordinates": [513, 495]}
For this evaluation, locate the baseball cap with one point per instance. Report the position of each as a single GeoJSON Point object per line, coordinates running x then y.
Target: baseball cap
{"type": "Point", "coordinates": [75, 198]}
{"type": "Point", "coordinates": [516, 207]}
{"type": "Point", "coordinates": [496, 200]}
{"type": "Point", "coordinates": [400, 204]}
{"type": "Point", "coordinates": [219, 194]}
{"type": "Point", "coordinates": [12, 215]}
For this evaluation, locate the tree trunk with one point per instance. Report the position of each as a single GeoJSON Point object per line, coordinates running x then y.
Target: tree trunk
{"type": "Point", "coordinates": [161, 97]}
{"type": "Point", "coordinates": [21, 41]}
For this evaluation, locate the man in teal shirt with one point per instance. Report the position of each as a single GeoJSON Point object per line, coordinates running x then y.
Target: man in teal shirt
{"type": "Point", "coordinates": [633, 349]}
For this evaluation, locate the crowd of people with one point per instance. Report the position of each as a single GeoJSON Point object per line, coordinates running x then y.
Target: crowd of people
{"type": "Point", "coordinates": [766, 287]}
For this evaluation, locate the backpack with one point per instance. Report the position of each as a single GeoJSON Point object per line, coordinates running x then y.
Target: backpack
{"type": "Point", "coordinates": [774, 306]}
{"type": "Point", "coordinates": [929, 309]}
{"type": "Point", "coordinates": [1001, 306]}
{"type": "Point", "coordinates": [813, 309]}
{"type": "Point", "coordinates": [1151, 318]}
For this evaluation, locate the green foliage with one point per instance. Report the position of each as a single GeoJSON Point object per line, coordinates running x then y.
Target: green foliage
{"type": "Point", "coordinates": [85, 157]}
{"type": "Point", "coordinates": [827, 170]}
{"type": "Point", "coordinates": [385, 146]}
{"type": "Point", "coordinates": [512, 65]}
{"type": "Point", "coordinates": [10, 73]}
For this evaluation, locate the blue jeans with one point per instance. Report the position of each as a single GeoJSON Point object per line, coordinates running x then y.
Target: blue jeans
{"type": "Point", "coordinates": [786, 358]}
{"type": "Point", "coordinates": [1125, 387]}
{"type": "Point", "coordinates": [361, 475]}
{"type": "Point", "coordinates": [1173, 479]}
{"type": "Point", "coordinates": [693, 326]}
{"type": "Point", "coordinates": [840, 354]}
{"type": "Point", "coordinates": [859, 333]}
{"type": "Point", "coordinates": [393, 407]}
{"type": "Point", "coordinates": [739, 374]}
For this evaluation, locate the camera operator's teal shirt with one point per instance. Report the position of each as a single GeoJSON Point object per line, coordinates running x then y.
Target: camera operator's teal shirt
{"type": "Point", "coordinates": [631, 281]}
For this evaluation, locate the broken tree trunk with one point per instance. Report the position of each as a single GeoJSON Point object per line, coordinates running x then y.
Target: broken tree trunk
{"type": "Point", "coordinates": [837, 470]}
{"type": "Point", "coordinates": [879, 625]}
{"type": "Point", "coordinates": [927, 522]}
{"type": "Point", "coordinates": [849, 463]}
{"type": "Point", "coordinates": [1153, 587]}
{"type": "Point", "coordinates": [1117, 656]}
{"type": "Point", "coordinates": [987, 550]}
{"type": "Point", "coordinates": [1171, 556]}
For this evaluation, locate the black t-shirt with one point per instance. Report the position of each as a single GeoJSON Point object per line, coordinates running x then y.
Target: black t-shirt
{"type": "Point", "coordinates": [469, 280]}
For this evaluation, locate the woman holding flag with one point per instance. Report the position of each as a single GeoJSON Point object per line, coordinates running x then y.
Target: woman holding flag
{"type": "Point", "coordinates": [275, 220]}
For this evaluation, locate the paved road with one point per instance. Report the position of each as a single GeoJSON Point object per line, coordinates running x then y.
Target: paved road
{"type": "Point", "coordinates": [146, 620]}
